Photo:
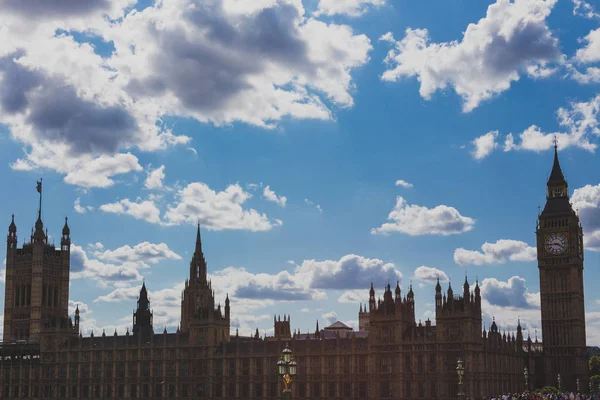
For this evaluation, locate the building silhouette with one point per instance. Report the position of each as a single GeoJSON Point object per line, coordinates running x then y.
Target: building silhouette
{"type": "Point", "coordinates": [391, 356]}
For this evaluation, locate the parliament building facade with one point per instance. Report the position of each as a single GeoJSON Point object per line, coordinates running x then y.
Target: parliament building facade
{"type": "Point", "coordinates": [392, 356]}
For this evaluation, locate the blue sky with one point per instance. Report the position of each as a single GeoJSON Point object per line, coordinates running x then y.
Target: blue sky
{"type": "Point", "coordinates": [284, 127]}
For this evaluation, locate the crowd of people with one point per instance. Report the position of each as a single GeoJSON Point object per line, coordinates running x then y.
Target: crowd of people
{"type": "Point", "coordinates": [540, 396]}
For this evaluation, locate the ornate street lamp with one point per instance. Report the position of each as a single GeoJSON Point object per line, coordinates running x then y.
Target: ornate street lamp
{"type": "Point", "coordinates": [578, 389]}
{"type": "Point", "coordinates": [526, 375]}
{"type": "Point", "coordinates": [460, 371]}
{"type": "Point", "coordinates": [559, 383]}
{"type": "Point", "coordinates": [287, 368]}
{"type": "Point", "coordinates": [590, 393]}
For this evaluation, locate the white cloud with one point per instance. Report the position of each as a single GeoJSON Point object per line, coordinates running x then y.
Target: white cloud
{"type": "Point", "coordinates": [403, 184]}
{"type": "Point", "coordinates": [512, 37]}
{"type": "Point", "coordinates": [308, 281]}
{"type": "Point", "coordinates": [217, 210]}
{"type": "Point", "coordinates": [592, 241]}
{"type": "Point", "coordinates": [512, 293]}
{"type": "Point", "coordinates": [430, 274]}
{"type": "Point", "coordinates": [587, 201]}
{"type": "Point", "coordinates": [588, 54]}
{"type": "Point", "coordinates": [95, 246]}
{"type": "Point", "coordinates": [591, 52]}
{"type": "Point", "coordinates": [143, 252]}
{"type": "Point", "coordinates": [75, 111]}
{"type": "Point", "coordinates": [352, 8]}
{"type": "Point", "coordinates": [155, 178]}
{"type": "Point", "coordinates": [84, 267]}
{"type": "Point", "coordinates": [484, 145]}
{"type": "Point", "coordinates": [330, 318]}
{"type": "Point", "coordinates": [418, 220]}
{"type": "Point", "coordinates": [145, 210]}
{"type": "Point", "coordinates": [81, 209]}
{"type": "Point", "coordinates": [496, 253]}
{"type": "Point", "coordinates": [354, 296]}
{"type": "Point", "coordinates": [259, 63]}
{"type": "Point", "coordinates": [271, 196]}
{"type": "Point", "coordinates": [584, 9]}
{"type": "Point", "coordinates": [510, 301]}
{"type": "Point", "coordinates": [317, 206]}
{"type": "Point", "coordinates": [581, 123]}
{"type": "Point", "coordinates": [349, 272]}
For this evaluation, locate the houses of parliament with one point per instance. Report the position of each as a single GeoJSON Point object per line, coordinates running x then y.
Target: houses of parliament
{"type": "Point", "coordinates": [391, 356]}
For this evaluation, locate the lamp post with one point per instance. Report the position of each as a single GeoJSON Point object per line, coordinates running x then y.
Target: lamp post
{"type": "Point", "coordinates": [287, 368]}
{"type": "Point", "coordinates": [460, 371]}
{"type": "Point", "coordinates": [590, 393]}
{"type": "Point", "coordinates": [559, 383]}
{"type": "Point", "coordinates": [578, 388]}
{"type": "Point", "coordinates": [526, 375]}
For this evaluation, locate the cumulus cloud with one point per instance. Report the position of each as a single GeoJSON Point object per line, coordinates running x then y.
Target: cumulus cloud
{"type": "Point", "coordinates": [145, 210]}
{"type": "Point", "coordinates": [253, 63]}
{"type": "Point", "coordinates": [271, 196]}
{"type": "Point", "coordinates": [417, 220]}
{"type": "Point", "coordinates": [84, 267]}
{"type": "Point", "coordinates": [349, 272]}
{"type": "Point", "coordinates": [63, 8]}
{"type": "Point", "coordinates": [484, 145]}
{"type": "Point", "coordinates": [591, 51]}
{"type": "Point", "coordinates": [587, 200]}
{"type": "Point", "coordinates": [143, 253]}
{"type": "Point", "coordinates": [581, 124]}
{"type": "Point", "coordinates": [430, 275]}
{"type": "Point", "coordinates": [214, 61]}
{"type": "Point", "coordinates": [80, 209]}
{"type": "Point", "coordinates": [330, 318]}
{"type": "Point", "coordinates": [403, 184]}
{"type": "Point", "coordinates": [217, 210]}
{"type": "Point", "coordinates": [492, 54]}
{"type": "Point", "coordinates": [496, 253]}
{"type": "Point", "coordinates": [354, 296]}
{"type": "Point", "coordinates": [512, 293]}
{"type": "Point", "coordinates": [352, 8]}
{"type": "Point", "coordinates": [155, 178]}
{"type": "Point", "coordinates": [588, 54]}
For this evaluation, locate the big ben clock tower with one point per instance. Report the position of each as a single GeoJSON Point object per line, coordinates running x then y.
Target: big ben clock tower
{"type": "Point", "coordinates": [560, 262]}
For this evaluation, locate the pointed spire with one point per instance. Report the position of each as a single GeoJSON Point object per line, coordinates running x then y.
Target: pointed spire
{"type": "Point", "coordinates": [12, 228]}
{"type": "Point", "coordinates": [198, 240]}
{"type": "Point", "coordinates": [556, 176]}
{"type": "Point", "coordinates": [317, 328]}
{"type": "Point", "coordinates": [66, 231]}
{"type": "Point", "coordinates": [438, 287]}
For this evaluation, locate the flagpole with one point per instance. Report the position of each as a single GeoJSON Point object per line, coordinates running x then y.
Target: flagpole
{"type": "Point", "coordinates": [40, 190]}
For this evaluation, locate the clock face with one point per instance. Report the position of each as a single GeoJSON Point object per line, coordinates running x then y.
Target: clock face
{"type": "Point", "coordinates": [556, 243]}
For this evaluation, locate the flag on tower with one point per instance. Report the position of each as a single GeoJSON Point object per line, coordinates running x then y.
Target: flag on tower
{"type": "Point", "coordinates": [39, 186]}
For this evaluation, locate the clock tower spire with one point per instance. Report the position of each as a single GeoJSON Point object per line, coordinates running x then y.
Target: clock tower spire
{"type": "Point", "coordinates": [560, 263]}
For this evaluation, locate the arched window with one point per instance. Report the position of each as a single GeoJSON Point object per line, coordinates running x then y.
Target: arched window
{"type": "Point", "coordinates": [29, 294]}
{"type": "Point", "coordinates": [23, 290]}
{"type": "Point", "coordinates": [55, 296]}
{"type": "Point", "coordinates": [17, 295]}
{"type": "Point", "coordinates": [44, 295]}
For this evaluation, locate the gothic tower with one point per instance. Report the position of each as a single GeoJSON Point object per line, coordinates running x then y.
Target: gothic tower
{"type": "Point", "coordinates": [199, 317]}
{"type": "Point", "coordinates": [142, 317]}
{"type": "Point", "coordinates": [37, 282]}
{"type": "Point", "coordinates": [560, 263]}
